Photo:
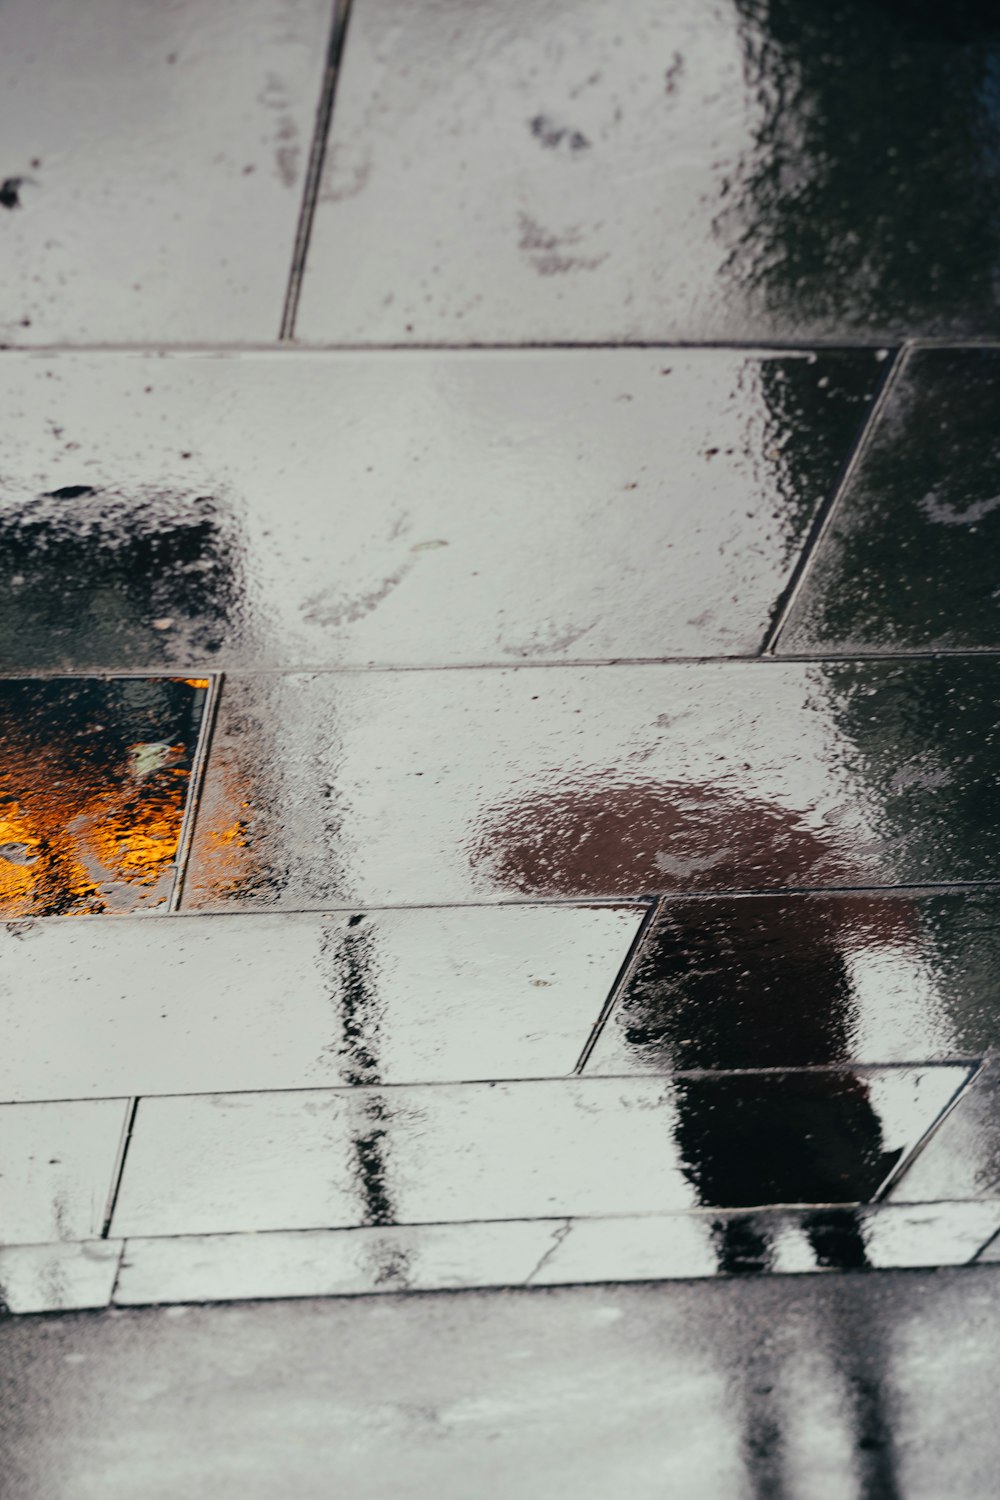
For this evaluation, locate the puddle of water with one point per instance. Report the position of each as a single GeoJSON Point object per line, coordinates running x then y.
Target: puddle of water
{"type": "Point", "coordinates": [94, 781]}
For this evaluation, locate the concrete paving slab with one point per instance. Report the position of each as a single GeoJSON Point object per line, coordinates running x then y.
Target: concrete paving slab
{"type": "Point", "coordinates": [908, 561]}
{"type": "Point", "coordinates": [59, 1277]}
{"type": "Point", "coordinates": [619, 170]}
{"type": "Point", "coordinates": [812, 1385]}
{"type": "Point", "coordinates": [434, 508]}
{"type": "Point", "coordinates": [421, 787]}
{"type": "Point", "coordinates": [224, 1163]}
{"type": "Point", "coordinates": [59, 1166]}
{"type": "Point", "coordinates": [195, 1005]}
{"type": "Point", "coordinates": [153, 165]}
{"type": "Point", "coordinates": [800, 980]}
{"type": "Point", "coordinates": [95, 781]}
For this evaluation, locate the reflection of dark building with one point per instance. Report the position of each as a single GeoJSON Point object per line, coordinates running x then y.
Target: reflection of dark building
{"type": "Point", "coordinates": [870, 197]}
{"type": "Point", "coordinates": [95, 578]}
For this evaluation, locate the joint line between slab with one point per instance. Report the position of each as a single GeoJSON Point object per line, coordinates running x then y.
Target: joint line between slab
{"type": "Point", "coordinates": [628, 967]}
{"type": "Point", "coordinates": [314, 170]}
{"type": "Point", "coordinates": [824, 516]}
{"type": "Point", "coordinates": [133, 1106]}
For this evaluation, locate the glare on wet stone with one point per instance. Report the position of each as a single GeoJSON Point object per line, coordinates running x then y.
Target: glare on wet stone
{"type": "Point", "coordinates": [244, 1003]}
{"type": "Point", "coordinates": [794, 981]}
{"type": "Point", "coordinates": [434, 508]}
{"type": "Point", "coordinates": [156, 155]}
{"type": "Point", "coordinates": [560, 1149]}
{"type": "Point", "coordinates": [410, 787]}
{"type": "Point", "coordinates": [624, 169]}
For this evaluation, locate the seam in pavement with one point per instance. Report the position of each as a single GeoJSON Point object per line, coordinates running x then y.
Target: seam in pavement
{"type": "Point", "coordinates": [824, 516]}
{"type": "Point", "coordinates": [314, 169]}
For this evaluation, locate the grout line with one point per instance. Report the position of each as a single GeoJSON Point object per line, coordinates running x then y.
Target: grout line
{"type": "Point", "coordinates": [903, 1166]}
{"type": "Point", "coordinates": [118, 1274]}
{"type": "Point", "coordinates": [558, 1220]}
{"type": "Point", "coordinates": [500, 346]}
{"type": "Point", "coordinates": [195, 783]}
{"type": "Point", "coordinates": [561, 903]}
{"type": "Point", "coordinates": [168, 349]}
{"type": "Point", "coordinates": [622, 978]}
{"type": "Point", "coordinates": [314, 169]}
{"type": "Point", "coordinates": [206, 732]}
{"type": "Point", "coordinates": [599, 1080]}
{"type": "Point", "coordinates": [974, 1260]}
{"type": "Point", "coordinates": [823, 519]}
{"type": "Point", "coordinates": [326, 669]}
{"type": "Point", "coordinates": [133, 1107]}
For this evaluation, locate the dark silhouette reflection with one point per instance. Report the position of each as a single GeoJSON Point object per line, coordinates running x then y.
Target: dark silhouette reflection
{"type": "Point", "coordinates": [726, 982]}
{"type": "Point", "coordinates": [752, 1139]}
{"type": "Point", "coordinates": [91, 576]}
{"type": "Point", "coordinates": [870, 197]}
{"type": "Point", "coordinates": [850, 1378]}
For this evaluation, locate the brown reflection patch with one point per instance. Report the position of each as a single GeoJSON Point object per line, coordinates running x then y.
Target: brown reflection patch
{"type": "Point", "coordinates": [640, 838]}
{"type": "Point", "coordinates": [94, 779]}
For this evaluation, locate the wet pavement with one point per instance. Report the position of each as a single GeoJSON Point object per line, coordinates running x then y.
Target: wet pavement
{"type": "Point", "coordinates": [878, 1386]}
{"type": "Point", "coordinates": [499, 737]}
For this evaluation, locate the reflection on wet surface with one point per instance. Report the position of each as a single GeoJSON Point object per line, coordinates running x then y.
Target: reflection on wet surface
{"type": "Point", "coordinates": [542, 1149]}
{"type": "Point", "coordinates": [803, 980]}
{"type": "Point", "coordinates": [138, 525]}
{"type": "Point", "coordinates": [392, 997]}
{"type": "Point", "coordinates": [95, 577]}
{"type": "Point", "coordinates": [94, 778]}
{"type": "Point", "coordinates": [909, 562]}
{"type": "Point", "coordinates": [438, 787]}
{"type": "Point", "coordinates": [753, 169]}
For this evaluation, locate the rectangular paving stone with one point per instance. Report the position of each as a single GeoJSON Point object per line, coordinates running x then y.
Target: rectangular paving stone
{"type": "Point", "coordinates": [221, 1163]}
{"type": "Point", "coordinates": [434, 508]}
{"type": "Point", "coordinates": [57, 1168]}
{"type": "Point", "coordinates": [962, 1157]}
{"type": "Point", "coordinates": [58, 1278]}
{"type": "Point", "coordinates": [400, 788]}
{"type": "Point", "coordinates": [196, 1004]}
{"type": "Point", "coordinates": [536, 1252]}
{"type": "Point", "coordinates": [662, 1247]}
{"type": "Point", "coordinates": [909, 562]}
{"type": "Point", "coordinates": [621, 169]}
{"type": "Point", "coordinates": [794, 981]}
{"type": "Point", "coordinates": [153, 165]}
{"type": "Point", "coordinates": [94, 781]}
{"type": "Point", "coordinates": [331, 1262]}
